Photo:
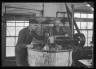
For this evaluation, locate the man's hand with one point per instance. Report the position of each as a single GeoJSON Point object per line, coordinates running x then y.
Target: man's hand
{"type": "Point", "coordinates": [47, 34]}
{"type": "Point", "coordinates": [30, 45]}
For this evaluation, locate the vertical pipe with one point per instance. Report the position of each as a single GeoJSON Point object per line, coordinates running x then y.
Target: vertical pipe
{"type": "Point", "coordinates": [43, 10]}
{"type": "Point", "coordinates": [5, 33]}
{"type": "Point", "coordinates": [42, 16]}
{"type": "Point", "coordinates": [72, 6]}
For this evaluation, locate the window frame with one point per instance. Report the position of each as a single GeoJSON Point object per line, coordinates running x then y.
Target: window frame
{"type": "Point", "coordinates": [4, 35]}
{"type": "Point", "coordinates": [12, 57]}
{"type": "Point", "coordinates": [86, 24]}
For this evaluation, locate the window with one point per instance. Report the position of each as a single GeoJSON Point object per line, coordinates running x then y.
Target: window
{"type": "Point", "coordinates": [12, 31]}
{"type": "Point", "coordinates": [85, 27]}
{"type": "Point", "coordinates": [90, 15]}
{"type": "Point", "coordinates": [90, 25]}
{"type": "Point", "coordinates": [83, 15]}
{"type": "Point", "coordinates": [85, 32]}
{"type": "Point", "coordinates": [77, 15]}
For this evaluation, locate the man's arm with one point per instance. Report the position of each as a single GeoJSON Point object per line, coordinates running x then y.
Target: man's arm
{"type": "Point", "coordinates": [20, 42]}
{"type": "Point", "coordinates": [38, 37]}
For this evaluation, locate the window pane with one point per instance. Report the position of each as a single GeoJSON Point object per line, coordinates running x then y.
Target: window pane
{"type": "Point", "coordinates": [77, 15]}
{"type": "Point", "coordinates": [83, 25]}
{"type": "Point", "coordinates": [75, 31]}
{"type": "Point", "coordinates": [90, 25]}
{"type": "Point", "coordinates": [90, 15]}
{"type": "Point", "coordinates": [89, 39]}
{"type": "Point", "coordinates": [84, 32]}
{"type": "Point", "coordinates": [10, 31]}
{"type": "Point", "coordinates": [10, 41]}
{"type": "Point", "coordinates": [10, 24]}
{"type": "Point", "coordinates": [18, 29]}
{"type": "Point", "coordinates": [11, 21]}
{"type": "Point", "coordinates": [19, 24]}
{"type": "Point", "coordinates": [10, 51]}
{"type": "Point", "coordinates": [16, 39]}
{"type": "Point", "coordinates": [90, 33]}
{"type": "Point", "coordinates": [83, 15]}
{"type": "Point", "coordinates": [86, 43]}
{"type": "Point", "coordinates": [20, 21]}
{"type": "Point", "coordinates": [26, 24]}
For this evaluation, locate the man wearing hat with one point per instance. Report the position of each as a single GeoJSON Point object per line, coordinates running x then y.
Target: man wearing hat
{"type": "Point", "coordinates": [57, 29]}
{"type": "Point", "coordinates": [24, 40]}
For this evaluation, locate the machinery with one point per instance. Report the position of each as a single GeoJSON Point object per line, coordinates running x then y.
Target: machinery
{"type": "Point", "coordinates": [74, 41]}
{"type": "Point", "coordinates": [59, 45]}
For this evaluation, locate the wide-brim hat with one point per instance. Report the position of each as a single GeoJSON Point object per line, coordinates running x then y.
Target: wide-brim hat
{"type": "Point", "coordinates": [33, 21]}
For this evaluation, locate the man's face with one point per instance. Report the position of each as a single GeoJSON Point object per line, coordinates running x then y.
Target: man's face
{"type": "Point", "coordinates": [57, 23]}
{"type": "Point", "coordinates": [32, 26]}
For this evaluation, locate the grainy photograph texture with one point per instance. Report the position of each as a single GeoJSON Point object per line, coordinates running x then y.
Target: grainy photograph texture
{"type": "Point", "coordinates": [48, 34]}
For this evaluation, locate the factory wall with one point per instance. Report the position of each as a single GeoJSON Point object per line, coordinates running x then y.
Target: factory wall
{"type": "Point", "coordinates": [50, 9]}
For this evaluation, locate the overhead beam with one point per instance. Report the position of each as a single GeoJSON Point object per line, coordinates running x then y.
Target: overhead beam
{"type": "Point", "coordinates": [23, 8]}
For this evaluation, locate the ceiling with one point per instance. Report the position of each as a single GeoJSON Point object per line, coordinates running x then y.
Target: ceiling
{"type": "Point", "coordinates": [38, 6]}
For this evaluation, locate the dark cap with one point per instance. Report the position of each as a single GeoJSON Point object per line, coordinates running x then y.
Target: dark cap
{"type": "Point", "coordinates": [33, 21]}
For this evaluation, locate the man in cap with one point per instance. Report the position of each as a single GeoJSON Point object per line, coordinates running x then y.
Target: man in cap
{"type": "Point", "coordinates": [24, 40]}
{"type": "Point", "coordinates": [57, 29]}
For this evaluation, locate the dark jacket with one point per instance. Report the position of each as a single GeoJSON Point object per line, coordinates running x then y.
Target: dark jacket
{"type": "Point", "coordinates": [61, 31]}
{"type": "Point", "coordinates": [25, 38]}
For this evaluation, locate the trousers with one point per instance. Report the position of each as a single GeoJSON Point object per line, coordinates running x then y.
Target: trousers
{"type": "Point", "coordinates": [21, 57]}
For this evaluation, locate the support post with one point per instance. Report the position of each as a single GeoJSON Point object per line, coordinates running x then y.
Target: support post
{"type": "Point", "coordinates": [72, 6]}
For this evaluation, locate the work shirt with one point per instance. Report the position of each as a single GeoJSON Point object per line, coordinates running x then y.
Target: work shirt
{"type": "Point", "coordinates": [25, 37]}
{"type": "Point", "coordinates": [58, 31]}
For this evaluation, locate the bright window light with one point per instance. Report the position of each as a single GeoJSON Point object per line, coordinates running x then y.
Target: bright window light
{"type": "Point", "coordinates": [10, 41]}
{"type": "Point", "coordinates": [10, 51]}
{"type": "Point", "coordinates": [90, 15]}
{"type": "Point", "coordinates": [77, 15]}
{"type": "Point", "coordinates": [83, 15]}
{"type": "Point", "coordinates": [10, 31]}
{"type": "Point", "coordinates": [83, 25]}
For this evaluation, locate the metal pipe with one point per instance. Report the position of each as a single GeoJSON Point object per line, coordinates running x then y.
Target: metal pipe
{"type": "Point", "coordinates": [23, 8]}
{"type": "Point", "coordinates": [5, 33]}
{"type": "Point", "coordinates": [18, 10]}
{"type": "Point", "coordinates": [69, 17]}
{"type": "Point", "coordinates": [43, 10]}
{"type": "Point", "coordinates": [42, 16]}
{"type": "Point", "coordinates": [72, 20]}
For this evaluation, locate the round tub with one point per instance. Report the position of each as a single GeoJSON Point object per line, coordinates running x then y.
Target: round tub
{"type": "Point", "coordinates": [49, 58]}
